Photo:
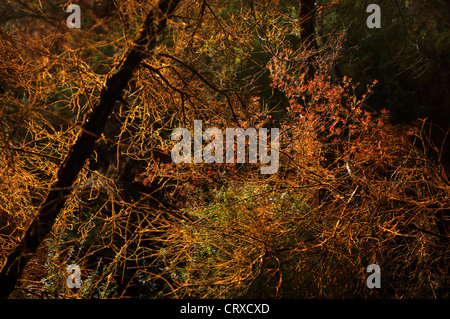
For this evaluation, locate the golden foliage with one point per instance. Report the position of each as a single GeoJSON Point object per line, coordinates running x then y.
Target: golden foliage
{"type": "Point", "coordinates": [138, 225]}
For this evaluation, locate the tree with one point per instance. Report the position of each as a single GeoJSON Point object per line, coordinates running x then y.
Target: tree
{"type": "Point", "coordinates": [144, 43]}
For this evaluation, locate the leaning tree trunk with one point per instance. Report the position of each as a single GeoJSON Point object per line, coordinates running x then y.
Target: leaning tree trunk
{"type": "Point", "coordinates": [144, 43]}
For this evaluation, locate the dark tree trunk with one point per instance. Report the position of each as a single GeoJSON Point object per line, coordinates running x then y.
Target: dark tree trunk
{"type": "Point", "coordinates": [307, 19]}
{"type": "Point", "coordinates": [144, 43]}
{"type": "Point", "coordinates": [307, 24]}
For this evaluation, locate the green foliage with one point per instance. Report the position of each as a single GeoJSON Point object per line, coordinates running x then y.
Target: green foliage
{"type": "Point", "coordinates": [408, 55]}
{"type": "Point", "coordinates": [238, 235]}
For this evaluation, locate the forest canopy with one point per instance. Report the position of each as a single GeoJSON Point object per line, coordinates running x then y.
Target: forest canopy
{"type": "Point", "coordinates": [357, 117]}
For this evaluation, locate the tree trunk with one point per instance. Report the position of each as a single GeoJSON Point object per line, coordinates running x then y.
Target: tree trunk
{"type": "Point", "coordinates": [307, 21]}
{"type": "Point", "coordinates": [144, 43]}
